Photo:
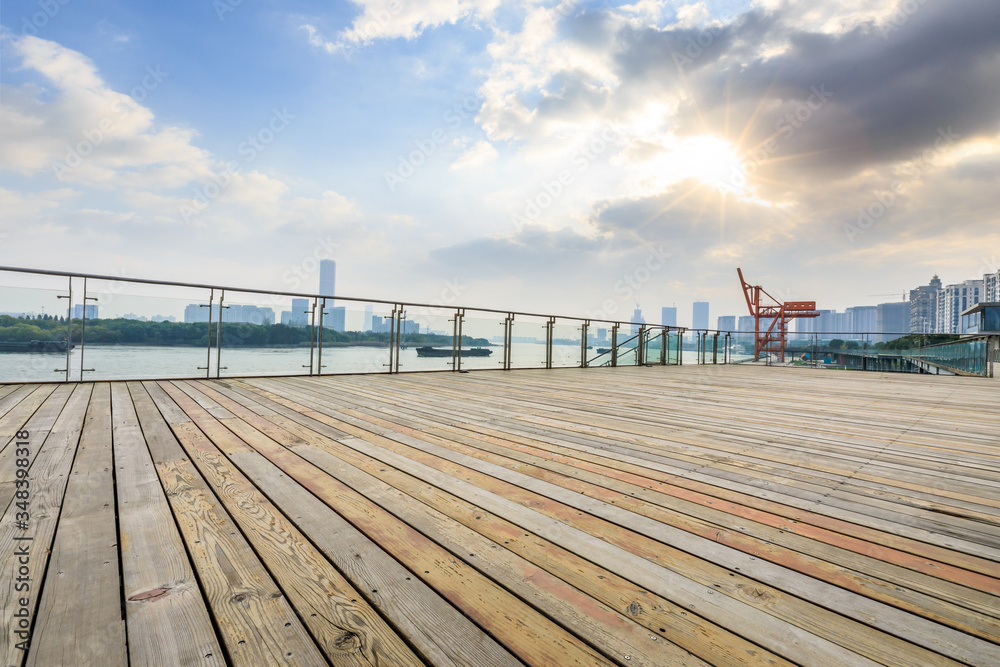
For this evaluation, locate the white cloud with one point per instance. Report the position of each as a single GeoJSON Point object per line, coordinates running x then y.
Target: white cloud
{"type": "Point", "coordinates": [393, 19]}
{"type": "Point", "coordinates": [84, 132]}
{"type": "Point", "coordinates": [479, 154]}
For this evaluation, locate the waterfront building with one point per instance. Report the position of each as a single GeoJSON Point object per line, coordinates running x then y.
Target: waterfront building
{"type": "Point", "coordinates": [923, 307]}
{"type": "Point", "coordinates": [726, 323]}
{"type": "Point", "coordinates": [637, 320]}
{"type": "Point", "coordinates": [893, 318]}
{"type": "Point", "coordinates": [991, 287]}
{"type": "Point", "coordinates": [668, 316]}
{"type": "Point", "coordinates": [327, 278]}
{"type": "Point", "coordinates": [300, 313]}
{"type": "Point", "coordinates": [699, 315]}
{"type": "Point", "coordinates": [952, 300]}
{"type": "Point", "coordinates": [89, 309]}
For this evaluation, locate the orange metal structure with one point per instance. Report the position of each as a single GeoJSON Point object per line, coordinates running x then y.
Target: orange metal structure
{"type": "Point", "coordinates": [779, 314]}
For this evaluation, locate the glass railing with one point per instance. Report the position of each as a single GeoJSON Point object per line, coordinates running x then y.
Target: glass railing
{"type": "Point", "coordinates": [70, 327]}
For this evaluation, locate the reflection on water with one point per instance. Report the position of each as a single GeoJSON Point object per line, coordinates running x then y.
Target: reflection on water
{"type": "Point", "coordinates": [123, 362]}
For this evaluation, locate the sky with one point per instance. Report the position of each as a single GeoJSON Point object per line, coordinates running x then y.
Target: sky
{"type": "Point", "coordinates": [573, 157]}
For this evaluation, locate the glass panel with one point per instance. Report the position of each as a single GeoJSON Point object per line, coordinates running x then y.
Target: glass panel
{"type": "Point", "coordinates": [356, 338]}
{"type": "Point", "coordinates": [266, 334]}
{"type": "Point", "coordinates": [528, 342]}
{"type": "Point", "coordinates": [567, 343]}
{"type": "Point", "coordinates": [139, 331]}
{"type": "Point", "coordinates": [426, 339]}
{"type": "Point", "coordinates": [33, 333]}
{"type": "Point", "coordinates": [599, 344]}
{"type": "Point", "coordinates": [482, 340]}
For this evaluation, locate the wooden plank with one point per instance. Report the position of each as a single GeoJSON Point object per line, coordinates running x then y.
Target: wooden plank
{"type": "Point", "coordinates": [757, 623]}
{"type": "Point", "coordinates": [525, 632]}
{"type": "Point", "coordinates": [657, 614]}
{"type": "Point", "coordinates": [834, 598]}
{"type": "Point", "coordinates": [613, 633]}
{"type": "Point", "coordinates": [21, 411]}
{"type": "Point", "coordinates": [255, 623]}
{"type": "Point", "coordinates": [347, 629]}
{"type": "Point", "coordinates": [167, 619]}
{"type": "Point", "coordinates": [80, 613]}
{"type": "Point", "coordinates": [48, 474]}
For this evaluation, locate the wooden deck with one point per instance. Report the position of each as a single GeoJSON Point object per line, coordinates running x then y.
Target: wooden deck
{"type": "Point", "coordinates": [697, 515]}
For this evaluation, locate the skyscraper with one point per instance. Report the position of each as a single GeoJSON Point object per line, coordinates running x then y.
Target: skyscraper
{"type": "Point", "coordinates": [923, 307]}
{"type": "Point", "coordinates": [637, 318]}
{"type": "Point", "coordinates": [327, 278]}
{"type": "Point", "coordinates": [952, 300]}
{"type": "Point", "coordinates": [726, 323]}
{"type": "Point", "coordinates": [893, 318]}
{"type": "Point", "coordinates": [668, 316]}
{"type": "Point", "coordinates": [300, 313]}
{"type": "Point", "coordinates": [699, 315]}
{"type": "Point", "coordinates": [368, 319]}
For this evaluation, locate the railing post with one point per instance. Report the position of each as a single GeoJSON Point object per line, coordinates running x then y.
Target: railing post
{"type": "Point", "coordinates": [640, 346]}
{"type": "Point", "coordinates": [584, 329]}
{"type": "Point", "coordinates": [664, 341]}
{"type": "Point", "coordinates": [549, 331]}
{"type": "Point", "coordinates": [319, 351]}
{"type": "Point", "coordinates": [456, 340]}
{"type": "Point", "coordinates": [614, 345]}
{"type": "Point", "coordinates": [83, 329]}
{"type": "Point", "coordinates": [69, 328]}
{"type": "Point", "coordinates": [715, 348]}
{"type": "Point", "coordinates": [312, 334]}
{"type": "Point", "coordinates": [208, 350]}
{"type": "Point", "coordinates": [218, 343]}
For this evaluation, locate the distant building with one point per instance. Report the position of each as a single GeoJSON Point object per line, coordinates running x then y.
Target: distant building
{"type": "Point", "coordinates": [745, 323]}
{"type": "Point", "coordinates": [923, 307]}
{"type": "Point", "coordinates": [637, 320]}
{"type": "Point", "coordinates": [952, 300]}
{"type": "Point", "coordinates": [300, 313]}
{"type": "Point", "coordinates": [726, 323]}
{"type": "Point", "coordinates": [368, 318]}
{"type": "Point", "coordinates": [893, 320]}
{"type": "Point", "coordinates": [334, 318]}
{"type": "Point", "coordinates": [668, 316]}
{"type": "Point", "coordinates": [861, 319]}
{"type": "Point", "coordinates": [699, 315]}
{"type": "Point", "coordinates": [163, 318]}
{"type": "Point", "coordinates": [79, 310]}
{"type": "Point", "coordinates": [991, 287]}
{"type": "Point", "coordinates": [327, 278]}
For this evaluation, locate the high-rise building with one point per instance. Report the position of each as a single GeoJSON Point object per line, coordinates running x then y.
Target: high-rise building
{"type": "Point", "coordinates": [991, 287]}
{"type": "Point", "coordinates": [861, 319]}
{"type": "Point", "coordinates": [893, 320]}
{"type": "Point", "coordinates": [300, 313]}
{"type": "Point", "coordinates": [327, 278]}
{"type": "Point", "coordinates": [637, 320]}
{"type": "Point", "coordinates": [727, 323]}
{"type": "Point", "coordinates": [335, 318]}
{"type": "Point", "coordinates": [368, 318]}
{"type": "Point", "coordinates": [952, 300]}
{"type": "Point", "coordinates": [923, 307]}
{"type": "Point", "coordinates": [90, 310]}
{"type": "Point", "coordinates": [668, 316]}
{"type": "Point", "coordinates": [699, 315]}
{"type": "Point", "coordinates": [745, 323]}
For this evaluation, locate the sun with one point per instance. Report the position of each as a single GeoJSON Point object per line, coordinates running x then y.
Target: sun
{"type": "Point", "coordinates": [713, 161]}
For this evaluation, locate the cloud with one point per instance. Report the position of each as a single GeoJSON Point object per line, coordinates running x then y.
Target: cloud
{"type": "Point", "coordinates": [84, 132]}
{"type": "Point", "coordinates": [394, 19]}
{"type": "Point", "coordinates": [479, 154]}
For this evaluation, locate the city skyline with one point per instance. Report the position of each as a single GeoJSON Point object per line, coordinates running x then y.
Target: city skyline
{"type": "Point", "coordinates": [698, 138]}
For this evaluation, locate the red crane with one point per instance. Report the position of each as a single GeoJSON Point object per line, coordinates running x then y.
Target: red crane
{"type": "Point", "coordinates": [779, 314]}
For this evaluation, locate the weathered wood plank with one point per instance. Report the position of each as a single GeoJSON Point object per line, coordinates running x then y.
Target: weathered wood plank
{"type": "Point", "coordinates": [167, 619]}
{"type": "Point", "coordinates": [48, 474]}
{"type": "Point", "coordinates": [80, 613]}
{"type": "Point", "coordinates": [347, 629]}
{"type": "Point", "coordinates": [256, 625]}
